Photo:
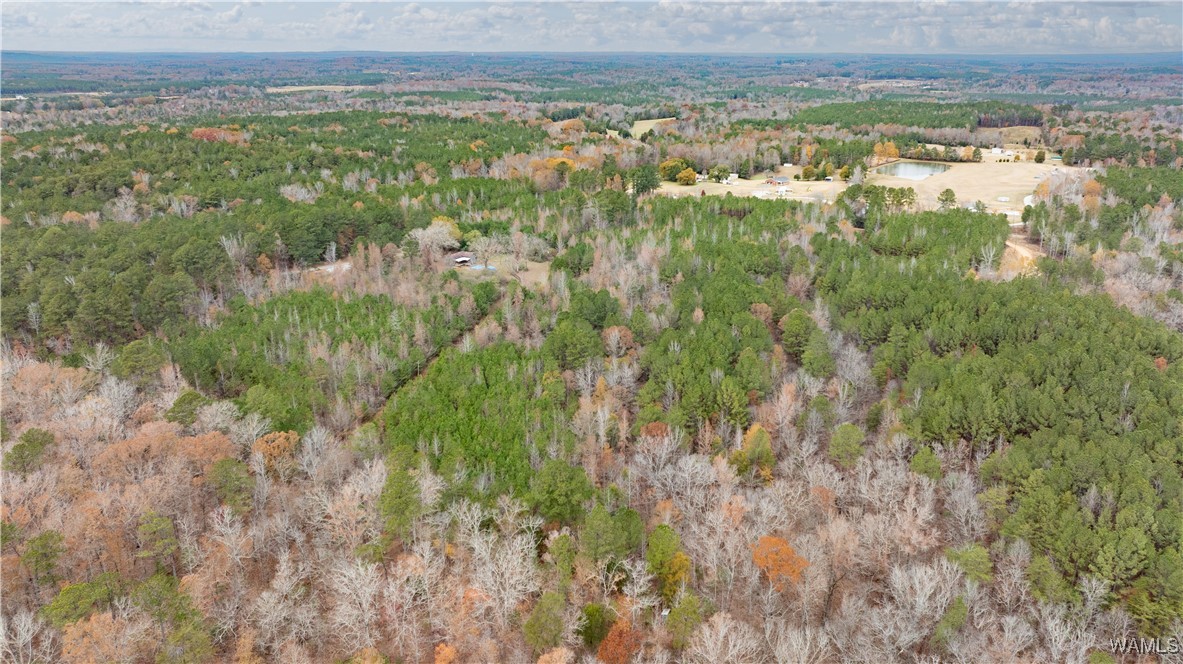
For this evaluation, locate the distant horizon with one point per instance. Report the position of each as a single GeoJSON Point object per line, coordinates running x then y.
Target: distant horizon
{"type": "Point", "coordinates": [958, 27]}
{"type": "Point", "coordinates": [736, 54]}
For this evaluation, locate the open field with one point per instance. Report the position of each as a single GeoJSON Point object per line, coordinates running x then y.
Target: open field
{"type": "Point", "coordinates": [284, 89]}
{"type": "Point", "coordinates": [986, 181]}
{"type": "Point", "coordinates": [890, 83]}
{"type": "Point", "coordinates": [642, 127]}
{"type": "Point", "coordinates": [533, 274]}
{"type": "Point", "coordinates": [1014, 136]}
{"type": "Point", "coordinates": [55, 94]}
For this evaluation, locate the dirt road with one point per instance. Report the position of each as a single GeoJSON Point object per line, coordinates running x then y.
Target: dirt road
{"type": "Point", "coordinates": [1019, 256]}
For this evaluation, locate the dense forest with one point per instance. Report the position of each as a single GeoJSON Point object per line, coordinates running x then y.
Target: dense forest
{"type": "Point", "coordinates": [444, 375]}
{"type": "Point", "coordinates": [920, 114]}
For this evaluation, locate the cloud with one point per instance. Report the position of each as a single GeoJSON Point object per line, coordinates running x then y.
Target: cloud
{"type": "Point", "coordinates": [958, 26]}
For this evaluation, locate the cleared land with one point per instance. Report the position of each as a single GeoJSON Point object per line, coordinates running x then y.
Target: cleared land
{"type": "Point", "coordinates": [802, 191]}
{"type": "Point", "coordinates": [891, 83]}
{"type": "Point", "coordinates": [642, 127]}
{"type": "Point", "coordinates": [54, 94]}
{"type": "Point", "coordinates": [985, 181]}
{"type": "Point", "coordinates": [1019, 256]}
{"type": "Point", "coordinates": [1014, 136]}
{"type": "Point", "coordinates": [284, 89]}
{"type": "Point", "coordinates": [530, 274]}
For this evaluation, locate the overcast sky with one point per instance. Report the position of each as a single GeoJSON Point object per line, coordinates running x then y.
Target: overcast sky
{"type": "Point", "coordinates": [952, 26]}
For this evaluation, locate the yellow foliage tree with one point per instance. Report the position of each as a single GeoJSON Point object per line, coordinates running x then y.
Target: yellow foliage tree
{"type": "Point", "coordinates": [446, 654]}
{"type": "Point", "coordinates": [553, 162]}
{"type": "Point", "coordinates": [450, 224]}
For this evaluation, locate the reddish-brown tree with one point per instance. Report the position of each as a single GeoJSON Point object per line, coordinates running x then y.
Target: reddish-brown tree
{"type": "Point", "coordinates": [621, 643]}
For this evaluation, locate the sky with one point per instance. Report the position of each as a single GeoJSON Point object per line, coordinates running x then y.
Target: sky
{"type": "Point", "coordinates": [667, 26]}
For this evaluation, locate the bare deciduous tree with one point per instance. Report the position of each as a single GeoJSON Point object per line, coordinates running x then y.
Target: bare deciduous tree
{"type": "Point", "coordinates": [503, 568]}
{"type": "Point", "coordinates": [26, 639]}
{"type": "Point", "coordinates": [793, 645]}
{"type": "Point", "coordinates": [226, 529]}
{"type": "Point", "coordinates": [724, 639]}
{"type": "Point", "coordinates": [356, 587]}
{"type": "Point", "coordinates": [98, 359]}
{"type": "Point", "coordinates": [285, 611]}
{"type": "Point", "coordinates": [434, 239]}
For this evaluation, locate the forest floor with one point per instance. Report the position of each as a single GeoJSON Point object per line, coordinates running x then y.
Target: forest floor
{"type": "Point", "coordinates": [342, 265]}
{"type": "Point", "coordinates": [1019, 256]}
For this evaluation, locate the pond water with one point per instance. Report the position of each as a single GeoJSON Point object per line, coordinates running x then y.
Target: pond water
{"type": "Point", "coordinates": [913, 170]}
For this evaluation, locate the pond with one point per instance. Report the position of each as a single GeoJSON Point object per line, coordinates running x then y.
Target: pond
{"type": "Point", "coordinates": [913, 170]}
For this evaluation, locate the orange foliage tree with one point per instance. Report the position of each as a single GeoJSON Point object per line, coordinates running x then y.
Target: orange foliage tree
{"type": "Point", "coordinates": [445, 654]}
{"type": "Point", "coordinates": [214, 134]}
{"type": "Point", "coordinates": [279, 451]}
{"type": "Point", "coordinates": [621, 643]}
{"type": "Point", "coordinates": [779, 562]}
{"type": "Point", "coordinates": [103, 638]}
